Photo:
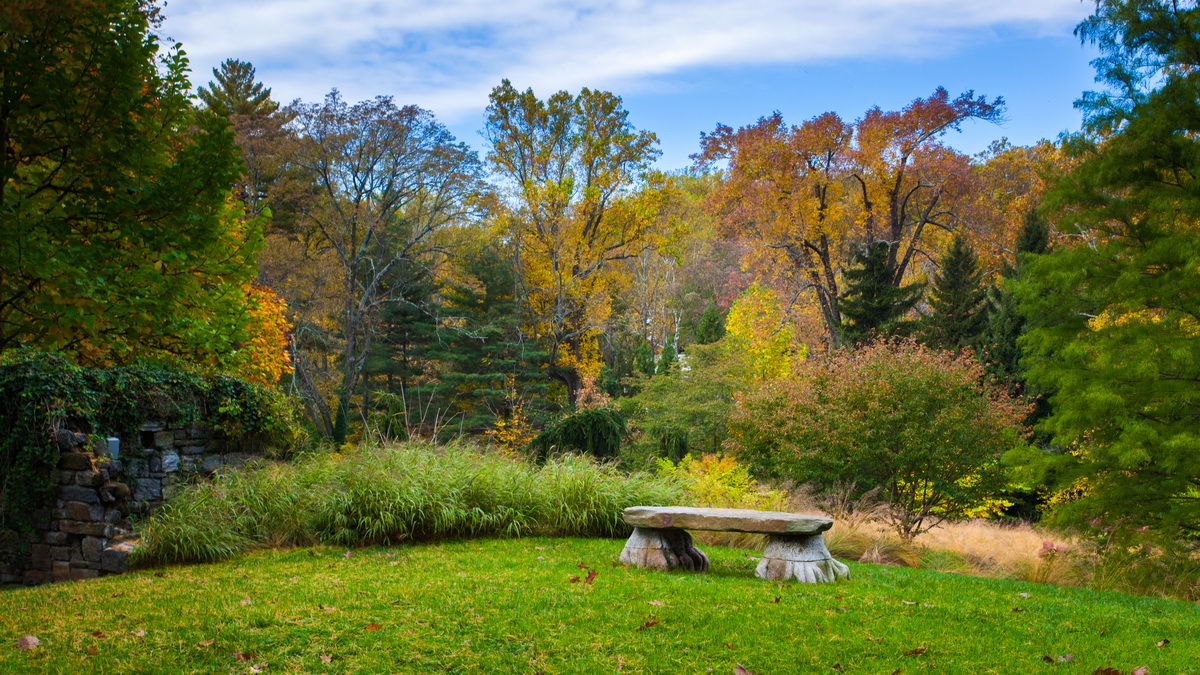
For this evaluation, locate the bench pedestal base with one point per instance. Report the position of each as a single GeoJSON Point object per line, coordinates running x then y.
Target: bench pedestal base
{"type": "Point", "coordinates": [663, 549]}
{"type": "Point", "coordinates": [800, 557]}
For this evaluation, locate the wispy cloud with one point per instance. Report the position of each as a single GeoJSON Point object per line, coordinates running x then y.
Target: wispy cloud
{"type": "Point", "coordinates": [446, 55]}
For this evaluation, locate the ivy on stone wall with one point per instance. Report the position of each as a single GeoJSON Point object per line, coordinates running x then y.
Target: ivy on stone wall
{"type": "Point", "coordinates": [42, 393]}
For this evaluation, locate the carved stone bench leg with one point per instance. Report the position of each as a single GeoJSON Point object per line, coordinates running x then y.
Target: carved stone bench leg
{"type": "Point", "coordinates": [800, 557]}
{"type": "Point", "coordinates": [663, 549]}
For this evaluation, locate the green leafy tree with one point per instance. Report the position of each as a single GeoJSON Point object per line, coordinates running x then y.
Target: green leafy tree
{"type": "Point", "coordinates": [121, 240]}
{"type": "Point", "coordinates": [873, 306]}
{"type": "Point", "coordinates": [685, 410]}
{"type": "Point", "coordinates": [915, 423]}
{"type": "Point", "coordinates": [1113, 319]}
{"type": "Point", "coordinates": [958, 301]}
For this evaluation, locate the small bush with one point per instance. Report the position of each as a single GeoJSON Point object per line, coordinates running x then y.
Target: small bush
{"type": "Point", "coordinates": [914, 423]}
{"type": "Point", "coordinates": [595, 431]}
{"type": "Point", "coordinates": [719, 481]}
{"type": "Point", "coordinates": [386, 494]}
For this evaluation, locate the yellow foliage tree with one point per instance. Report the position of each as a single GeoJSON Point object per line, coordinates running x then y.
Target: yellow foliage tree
{"type": "Point", "coordinates": [577, 201]}
{"type": "Point", "coordinates": [760, 330]}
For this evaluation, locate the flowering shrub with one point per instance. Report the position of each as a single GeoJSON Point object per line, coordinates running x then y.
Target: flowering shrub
{"type": "Point", "coordinates": [915, 423]}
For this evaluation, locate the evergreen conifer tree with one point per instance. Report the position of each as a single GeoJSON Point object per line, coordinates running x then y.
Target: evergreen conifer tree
{"type": "Point", "coordinates": [958, 302]}
{"type": "Point", "coordinates": [998, 344]}
{"type": "Point", "coordinates": [872, 306]}
{"type": "Point", "coordinates": [666, 359]}
{"type": "Point", "coordinates": [711, 326]}
{"type": "Point", "coordinates": [236, 93]}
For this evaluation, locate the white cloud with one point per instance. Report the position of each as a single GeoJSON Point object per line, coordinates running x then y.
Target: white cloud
{"type": "Point", "coordinates": [446, 55]}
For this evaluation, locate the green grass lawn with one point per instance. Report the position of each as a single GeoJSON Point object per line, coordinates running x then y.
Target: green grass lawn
{"type": "Point", "coordinates": [509, 606]}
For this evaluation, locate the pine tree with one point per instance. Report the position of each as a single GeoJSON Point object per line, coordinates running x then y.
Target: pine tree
{"type": "Point", "coordinates": [666, 359]}
{"type": "Point", "coordinates": [488, 367]}
{"type": "Point", "coordinates": [958, 302]}
{"type": "Point", "coordinates": [1000, 351]}
{"type": "Point", "coordinates": [236, 93]}
{"type": "Point", "coordinates": [871, 306]}
{"type": "Point", "coordinates": [711, 326]}
{"type": "Point", "coordinates": [1112, 319]}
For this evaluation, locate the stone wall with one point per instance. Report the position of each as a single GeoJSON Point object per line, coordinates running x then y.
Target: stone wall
{"type": "Point", "coordinates": [87, 533]}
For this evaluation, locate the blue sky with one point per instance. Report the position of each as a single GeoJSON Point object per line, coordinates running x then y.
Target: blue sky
{"type": "Point", "coordinates": [682, 66]}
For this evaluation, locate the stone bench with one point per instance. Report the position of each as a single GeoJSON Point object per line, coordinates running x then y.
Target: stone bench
{"type": "Point", "coordinates": [796, 549]}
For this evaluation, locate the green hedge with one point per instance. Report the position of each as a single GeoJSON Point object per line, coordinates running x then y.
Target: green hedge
{"type": "Point", "coordinates": [40, 393]}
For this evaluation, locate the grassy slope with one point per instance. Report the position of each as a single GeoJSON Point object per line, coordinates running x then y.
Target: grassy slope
{"type": "Point", "coordinates": [493, 606]}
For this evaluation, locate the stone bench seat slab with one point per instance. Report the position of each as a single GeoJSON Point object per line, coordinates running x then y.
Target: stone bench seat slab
{"type": "Point", "coordinates": [725, 520]}
{"type": "Point", "coordinates": [795, 550]}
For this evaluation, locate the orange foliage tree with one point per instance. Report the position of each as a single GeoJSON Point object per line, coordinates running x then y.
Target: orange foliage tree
{"type": "Point", "coordinates": [809, 195]}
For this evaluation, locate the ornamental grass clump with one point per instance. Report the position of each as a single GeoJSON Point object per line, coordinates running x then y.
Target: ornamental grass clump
{"type": "Point", "coordinates": [388, 494]}
{"type": "Point", "coordinates": [916, 424]}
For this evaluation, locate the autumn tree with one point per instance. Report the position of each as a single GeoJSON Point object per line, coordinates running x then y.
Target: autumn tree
{"type": "Point", "coordinates": [389, 178]}
{"type": "Point", "coordinates": [810, 195]}
{"type": "Point", "coordinates": [121, 240]}
{"type": "Point", "coordinates": [575, 203]}
{"type": "Point", "coordinates": [1113, 313]}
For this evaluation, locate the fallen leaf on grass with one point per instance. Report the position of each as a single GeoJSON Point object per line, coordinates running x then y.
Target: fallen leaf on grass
{"type": "Point", "coordinates": [651, 621]}
{"type": "Point", "coordinates": [139, 633]}
{"type": "Point", "coordinates": [327, 658]}
{"type": "Point", "coordinates": [874, 639]}
{"type": "Point", "coordinates": [242, 657]}
{"type": "Point", "coordinates": [837, 667]}
{"type": "Point", "coordinates": [656, 603]}
{"type": "Point", "coordinates": [245, 601]}
{"type": "Point", "coordinates": [27, 642]}
{"type": "Point", "coordinates": [347, 554]}
{"type": "Point", "coordinates": [98, 634]}
{"type": "Point", "coordinates": [729, 646]}
{"type": "Point", "coordinates": [1024, 595]}
{"type": "Point", "coordinates": [1162, 643]}
{"type": "Point", "coordinates": [205, 643]}
{"type": "Point", "coordinates": [92, 651]}
{"type": "Point", "coordinates": [739, 669]}
{"type": "Point", "coordinates": [907, 602]}
{"type": "Point", "coordinates": [592, 574]}
{"type": "Point", "coordinates": [371, 627]}
{"type": "Point", "coordinates": [777, 599]}
{"type": "Point", "coordinates": [574, 579]}
{"type": "Point", "coordinates": [1058, 659]}
{"type": "Point", "coordinates": [915, 652]}
{"type": "Point", "coordinates": [1140, 670]}
{"type": "Point", "coordinates": [258, 667]}
{"type": "Point", "coordinates": [1107, 671]}
{"type": "Point", "coordinates": [1018, 609]}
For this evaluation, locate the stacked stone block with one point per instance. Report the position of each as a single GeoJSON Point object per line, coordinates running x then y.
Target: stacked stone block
{"type": "Point", "coordinates": [87, 533]}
